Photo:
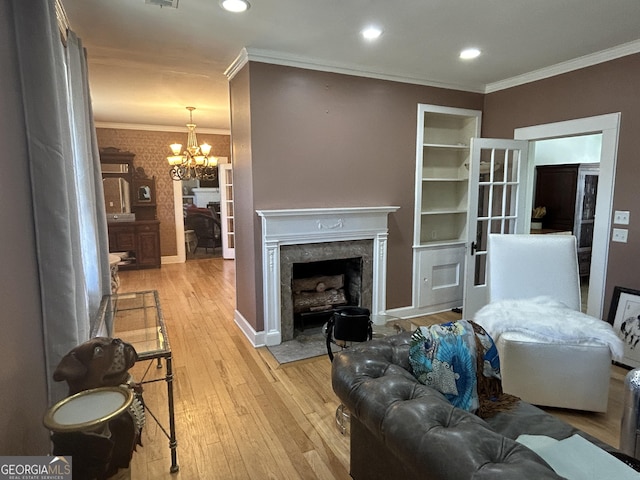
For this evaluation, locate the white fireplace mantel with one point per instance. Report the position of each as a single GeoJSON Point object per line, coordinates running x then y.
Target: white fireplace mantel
{"type": "Point", "coordinates": [315, 225]}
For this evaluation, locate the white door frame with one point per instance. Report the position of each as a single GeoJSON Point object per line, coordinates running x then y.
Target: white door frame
{"type": "Point", "coordinates": [179, 218]}
{"type": "Point", "coordinates": [181, 256]}
{"type": "Point", "coordinates": [609, 126]}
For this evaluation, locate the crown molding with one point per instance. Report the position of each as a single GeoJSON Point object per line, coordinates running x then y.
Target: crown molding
{"type": "Point", "coordinates": [159, 128]}
{"type": "Point", "coordinates": [278, 58]}
{"type": "Point", "coordinates": [565, 67]}
{"type": "Point", "coordinates": [241, 60]}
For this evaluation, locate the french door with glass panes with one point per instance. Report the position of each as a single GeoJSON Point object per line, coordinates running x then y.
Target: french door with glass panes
{"type": "Point", "coordinates": [497, 204]}
{"type": "Point", "coordinates": [225, 173]}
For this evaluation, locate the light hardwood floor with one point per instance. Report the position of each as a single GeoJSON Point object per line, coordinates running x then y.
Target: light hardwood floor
{"type": "Point", "coordinates": [239, 414]}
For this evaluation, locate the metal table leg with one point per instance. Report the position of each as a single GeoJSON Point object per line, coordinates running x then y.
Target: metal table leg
{"type": "Point", "coordinates": [173, 444]}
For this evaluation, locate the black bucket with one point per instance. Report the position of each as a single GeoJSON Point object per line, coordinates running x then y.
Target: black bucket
{"type": "Point", "coordinates": [348, 324]}
{"type": "Point", "coordinates": [352, 324]}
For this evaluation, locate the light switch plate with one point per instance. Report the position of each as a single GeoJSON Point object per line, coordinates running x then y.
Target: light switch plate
{"type": "Point", "coordinates": [620, 235]}
{"type": "Point", "coordinates": [621, 217]}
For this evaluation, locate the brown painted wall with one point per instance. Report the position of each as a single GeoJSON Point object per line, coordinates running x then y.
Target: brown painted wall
{"type": "Point", "coordinates": [248, 267]}
{"type": "Point", "coordinates": [23, 377]}
{"type": "Point", "coordinates": [151, 150]}
{"type": "Point", "coordinates": [606, 88]}
{"type": "Point", "coordinates": [321, 139]}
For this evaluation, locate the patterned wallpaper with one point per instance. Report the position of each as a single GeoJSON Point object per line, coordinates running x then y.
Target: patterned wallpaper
{"type": "Point", "coordinates": [151, 150]}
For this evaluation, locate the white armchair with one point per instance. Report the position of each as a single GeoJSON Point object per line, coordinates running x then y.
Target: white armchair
{"type": "Point", "coordinates": [527, 266]}
{"type": "Point", "coordinates": [550, 353]}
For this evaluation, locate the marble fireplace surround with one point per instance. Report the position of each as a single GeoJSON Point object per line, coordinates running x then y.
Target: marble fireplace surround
{"type": "Point", "coordinates": [291, 255]}
{"type": "Point", "coordinates": [317, 225]}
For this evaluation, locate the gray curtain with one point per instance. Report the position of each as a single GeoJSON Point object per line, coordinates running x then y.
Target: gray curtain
{"type": "Point", "coordinates": [70, 224]}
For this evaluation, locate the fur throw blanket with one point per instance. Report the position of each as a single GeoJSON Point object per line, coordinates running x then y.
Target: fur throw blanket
{"type": "Point", "coordinates": [546, 319]}
{"type": "Point", "coordinates": [461, 361]}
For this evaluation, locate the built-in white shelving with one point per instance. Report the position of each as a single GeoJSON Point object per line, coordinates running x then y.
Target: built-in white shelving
{"type": "Point", "coordinates": [441, 204]}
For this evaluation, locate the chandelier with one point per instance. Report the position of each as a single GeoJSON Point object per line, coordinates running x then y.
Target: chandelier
{"type": "Point", "coordinates": [194, 161]}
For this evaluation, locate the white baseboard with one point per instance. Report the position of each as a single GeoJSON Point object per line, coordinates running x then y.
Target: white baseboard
{"type": "Point", "coordinates": [412, 312]}
{"type": "Point", "coordinates": [171, 259]}
{"type": "Point", "coordinates": [262, 338]}
{"type": "Point", "coordinates": [257, 339]}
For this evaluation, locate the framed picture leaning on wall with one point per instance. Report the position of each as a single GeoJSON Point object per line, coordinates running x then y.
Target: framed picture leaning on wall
{"type": "Point", "coordinates": [624, 316]}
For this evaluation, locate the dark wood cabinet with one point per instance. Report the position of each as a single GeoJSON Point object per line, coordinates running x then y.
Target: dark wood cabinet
{"type": "Point", "coordinates": [148, 242]}
{"type": "Point", "coordinates": [569, 194]}
{"type": "Point", "coordinates": [121, 238]}
{"type": "Point", "coordinates": [585, 214]}
{"type": "Point", "coordinates": [130, 195]}
{"type": "Point", "coordinates": [556, 187]}
{"type": "Point", "coordinates": [139, 240]}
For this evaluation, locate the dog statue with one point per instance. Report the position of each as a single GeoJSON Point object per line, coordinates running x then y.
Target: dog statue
{"type": "Point", "coordinates": [100, 362]}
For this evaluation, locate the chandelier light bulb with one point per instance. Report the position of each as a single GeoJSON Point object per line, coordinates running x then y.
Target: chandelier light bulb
{"type": "Point", "coordinates": [205, 148]}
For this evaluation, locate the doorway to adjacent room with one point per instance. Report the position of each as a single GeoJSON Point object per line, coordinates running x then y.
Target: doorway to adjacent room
{"type": "Point", "coordinates": [608, 126]}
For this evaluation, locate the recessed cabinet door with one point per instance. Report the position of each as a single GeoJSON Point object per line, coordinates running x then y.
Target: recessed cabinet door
{"type": "Point", "coordinates": [122, 238]}
{"type": "Point", "coordinates": [148, 253]}
{"type": "Point", "coordinates": [441, 272]}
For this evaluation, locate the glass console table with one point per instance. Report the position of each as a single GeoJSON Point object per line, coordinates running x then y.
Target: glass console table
{"type": "Point", "coordinates": [136, 318]}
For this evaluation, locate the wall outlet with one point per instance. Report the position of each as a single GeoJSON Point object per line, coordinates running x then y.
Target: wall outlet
{"type": "Point", "coordinates": [620, 235]}
{"type": "Point", "coordinates": [621, 217]}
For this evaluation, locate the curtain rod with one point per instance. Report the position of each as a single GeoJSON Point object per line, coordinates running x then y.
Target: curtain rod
{"type": "Point", "coordinates": [63, 21]}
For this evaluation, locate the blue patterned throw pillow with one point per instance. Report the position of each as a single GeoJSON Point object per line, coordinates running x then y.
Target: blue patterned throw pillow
{"type": "Point", "coordinates": [444, 357]}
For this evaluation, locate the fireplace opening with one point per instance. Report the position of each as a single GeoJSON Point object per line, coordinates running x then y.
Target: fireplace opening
{"type": "Point", "coordinates": [319, 288]}
{"type": "Point", "coordinates": [351, 258]}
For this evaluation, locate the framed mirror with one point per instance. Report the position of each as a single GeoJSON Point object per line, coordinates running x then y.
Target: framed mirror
{"type": "Point", "coordinates": [144, 194]}
{"type": "Point", "coordinates": [116, 195]}
{"type": "Point", "coordinates": [116, 168]}
{"type": "Point", "coordinates": [144, 188]}
{"type": "Point", "coordinates": [117, 176]}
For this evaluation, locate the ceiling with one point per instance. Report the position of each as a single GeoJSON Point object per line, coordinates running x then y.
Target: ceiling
{"type": "Point", "coordinates": [147, 63]}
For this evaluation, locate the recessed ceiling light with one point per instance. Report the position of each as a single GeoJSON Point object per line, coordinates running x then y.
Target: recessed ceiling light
{"type": "Point", "coordinates": [469, 53]}
{"type": "Point", "coordinates": [235, 6]}
{"type": "Point", "coordinates": [371, 33]}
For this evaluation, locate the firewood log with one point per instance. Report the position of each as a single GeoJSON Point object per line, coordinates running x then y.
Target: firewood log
{"type": "Point", "coordinates": [304, 301]}
{"type": "Point", "coordinates": [318, 283]}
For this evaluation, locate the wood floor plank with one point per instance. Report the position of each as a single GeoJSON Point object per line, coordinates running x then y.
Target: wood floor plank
{"type": "Point", "coordinates": [240, 414]}
{"type": "Point", "coordinates": [228, 446]}
{"type": "Point", "coordinates": [320, 469]}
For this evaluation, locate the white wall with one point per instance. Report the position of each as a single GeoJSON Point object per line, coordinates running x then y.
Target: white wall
{"type": "Point", "coordinates": [558, 151]}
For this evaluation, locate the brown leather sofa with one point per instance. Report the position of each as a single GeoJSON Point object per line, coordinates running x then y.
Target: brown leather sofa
{"type": "Point", "coordinates": [403, 429]}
